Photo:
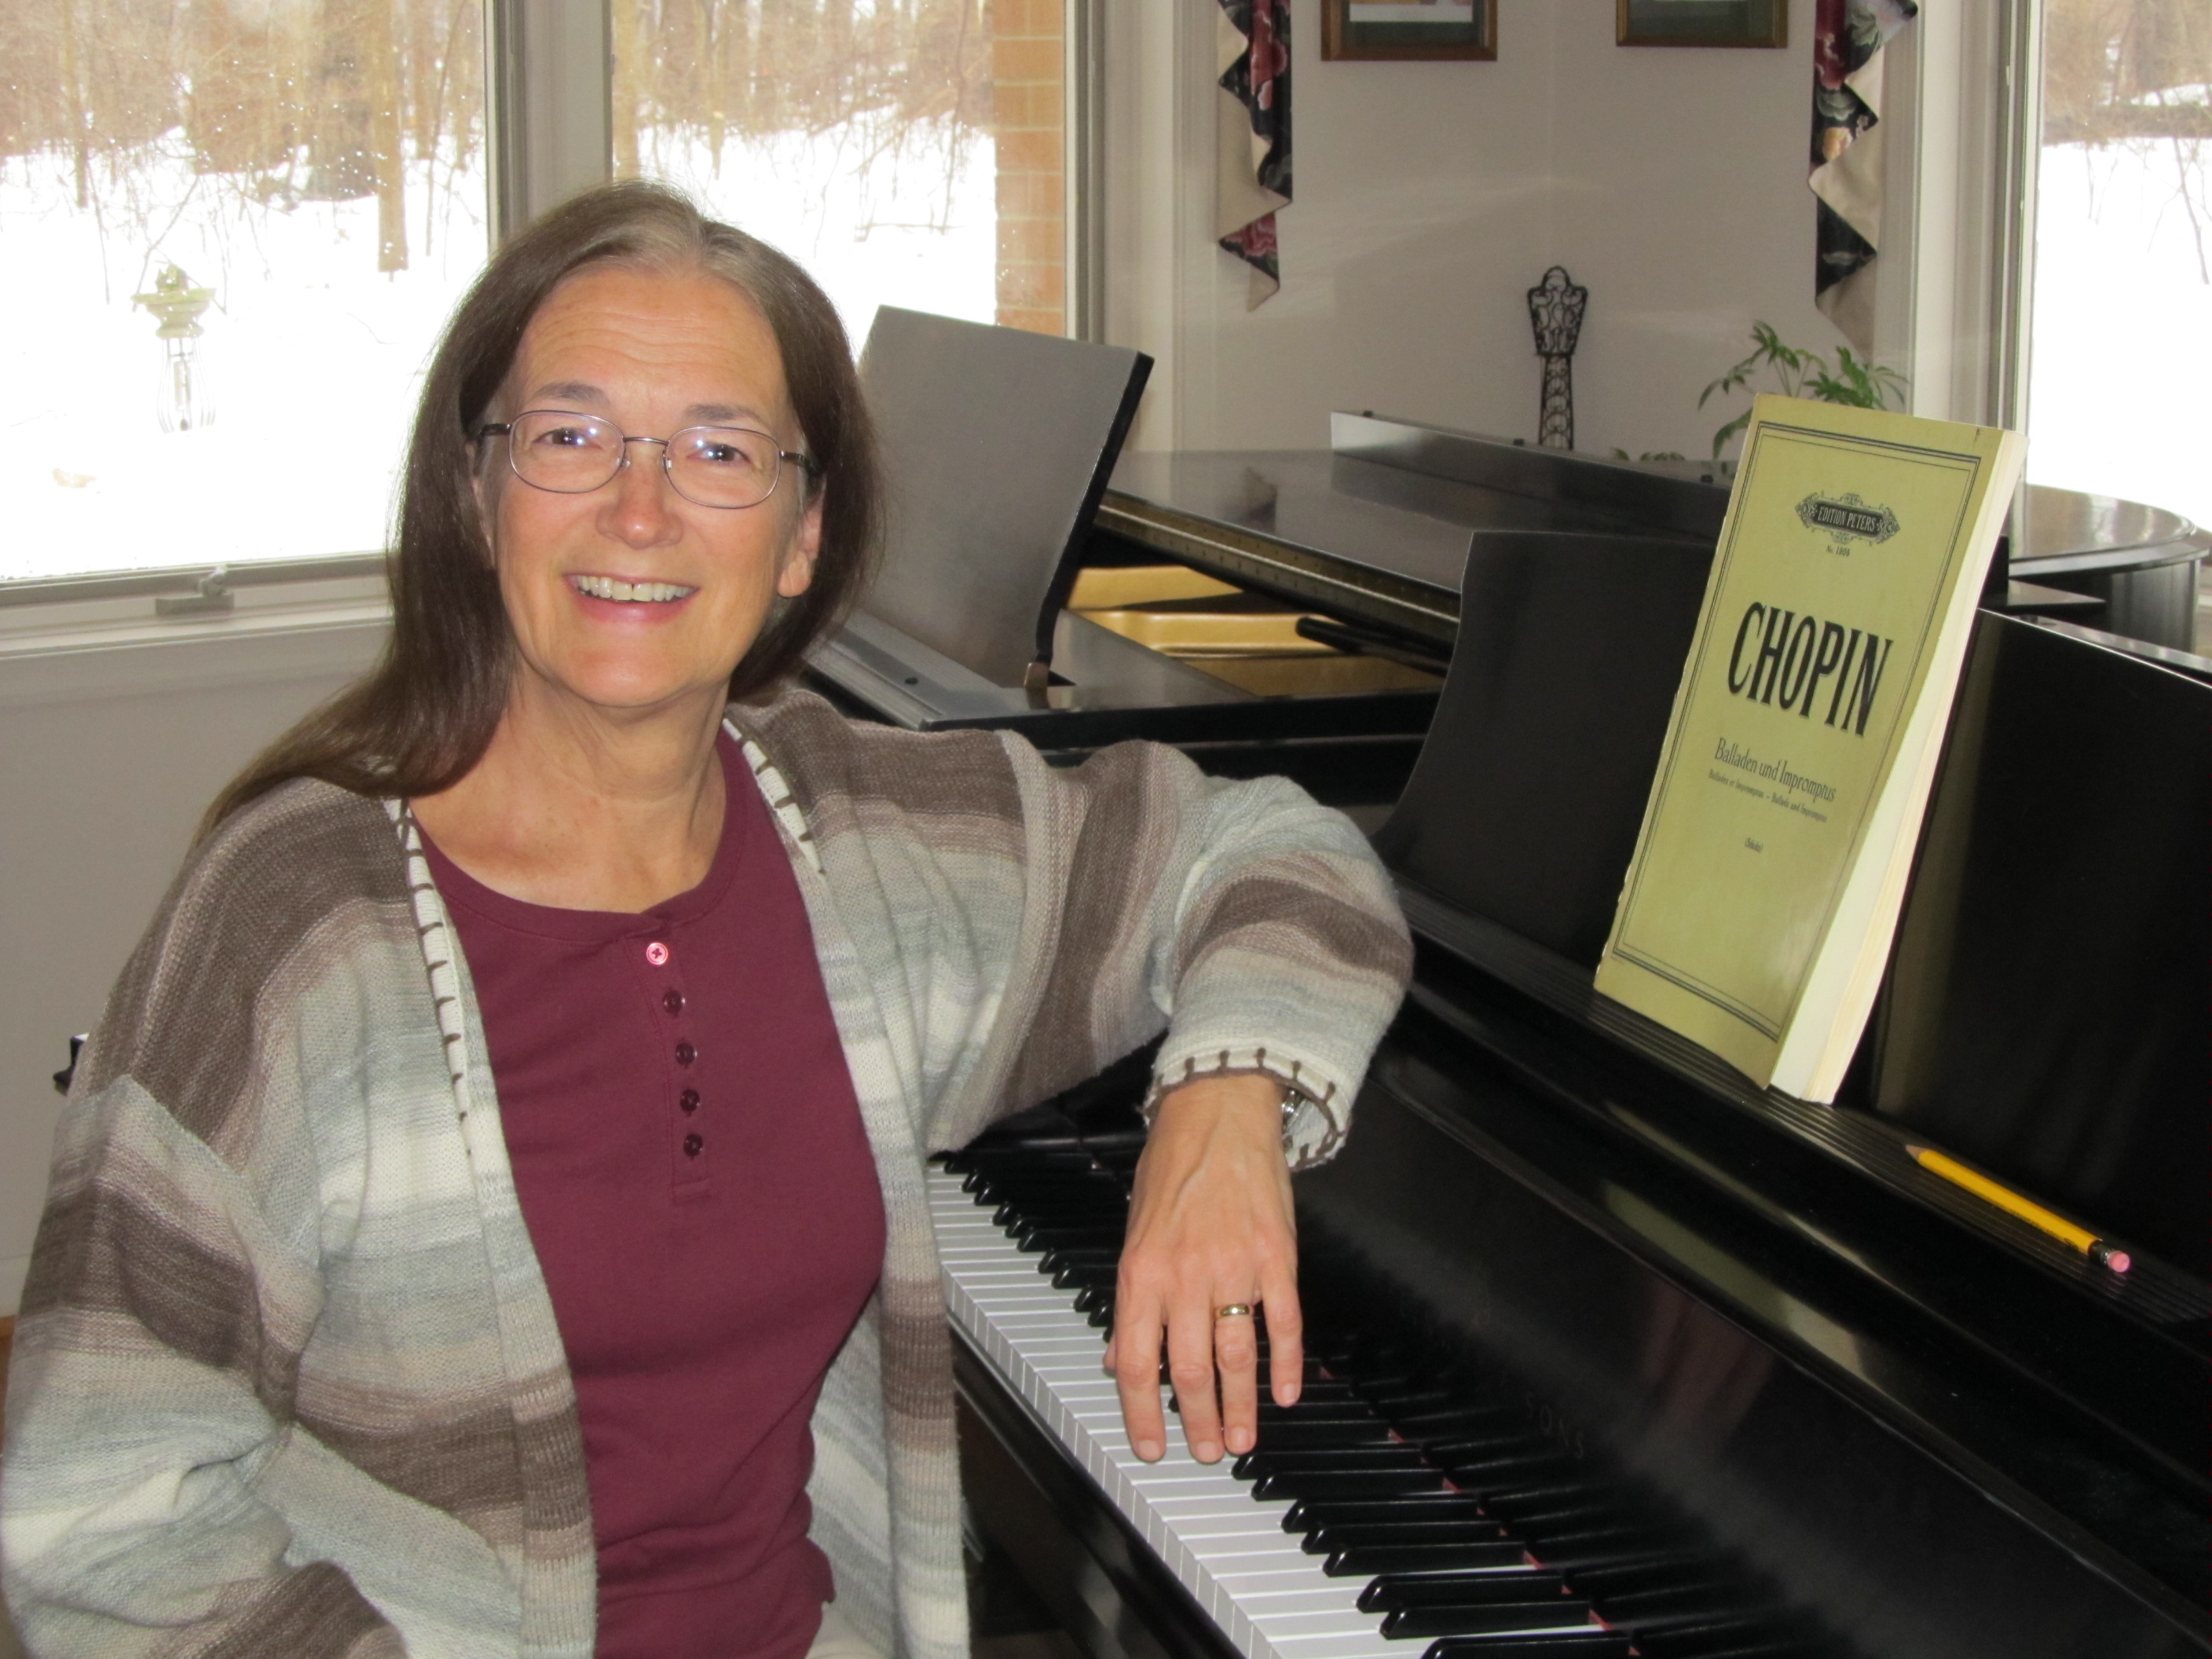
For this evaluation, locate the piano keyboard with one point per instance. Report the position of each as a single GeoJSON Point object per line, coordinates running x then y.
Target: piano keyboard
{"type": "Point", "coordinates": [1270, 1598]}
{"type": "Point", "coordinates": [1392, 1514]}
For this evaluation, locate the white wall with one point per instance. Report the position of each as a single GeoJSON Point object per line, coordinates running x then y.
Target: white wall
{"type": "Point", "coordinates": [1431, 197]}
{"type": "Point", "coordinates": [115, 732]}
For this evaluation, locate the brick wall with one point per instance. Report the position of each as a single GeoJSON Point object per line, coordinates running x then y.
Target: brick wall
{"type": "Point", "coordinates": [1028, 101]}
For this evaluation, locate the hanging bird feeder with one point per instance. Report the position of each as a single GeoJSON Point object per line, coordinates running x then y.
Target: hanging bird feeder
{"type": "Point", "coordinates": [182, 400]}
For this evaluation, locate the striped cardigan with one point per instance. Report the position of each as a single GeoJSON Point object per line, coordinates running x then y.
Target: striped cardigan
{"type": "Point", "coordinates": [287, 1381]}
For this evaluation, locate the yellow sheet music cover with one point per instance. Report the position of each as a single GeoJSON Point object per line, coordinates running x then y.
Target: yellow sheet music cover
{"type": "Point", "coordinates": [1757, 914]}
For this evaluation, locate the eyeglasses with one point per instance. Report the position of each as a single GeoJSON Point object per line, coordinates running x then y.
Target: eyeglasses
{"type": "Point", "coordinates": [571, 454]}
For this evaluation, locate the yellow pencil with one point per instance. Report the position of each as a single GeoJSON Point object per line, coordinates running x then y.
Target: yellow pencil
{"type": "Point", "coordinates": [2012, 1203]}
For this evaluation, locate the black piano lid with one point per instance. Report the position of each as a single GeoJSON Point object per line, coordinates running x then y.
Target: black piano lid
{"type": "Point", "coordinates": [1353, 533]}
{"type": "Point", "coordinates": [996, 446]}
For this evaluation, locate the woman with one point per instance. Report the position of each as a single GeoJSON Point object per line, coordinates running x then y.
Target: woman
{"type": "Point", "coordinates": [491, 1207]}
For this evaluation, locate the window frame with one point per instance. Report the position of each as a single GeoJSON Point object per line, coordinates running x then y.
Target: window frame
{"type": "Point", "coordinates": [1972, 104]}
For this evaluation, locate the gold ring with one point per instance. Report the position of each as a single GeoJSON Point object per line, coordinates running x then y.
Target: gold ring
{"type": "Point", "coordinates": [1234, 1310]}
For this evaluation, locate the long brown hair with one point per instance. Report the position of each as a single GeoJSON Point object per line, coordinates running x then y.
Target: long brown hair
{"type": "Point", "coordinates": [417, 721]}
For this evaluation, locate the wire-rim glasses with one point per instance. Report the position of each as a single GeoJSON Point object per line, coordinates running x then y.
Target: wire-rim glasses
{"type": "Point", "coordinates": [572, 454]}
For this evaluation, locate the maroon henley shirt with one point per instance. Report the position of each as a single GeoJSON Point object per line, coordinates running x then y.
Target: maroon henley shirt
{"type": "Point", "coordinates": [691, 1161]}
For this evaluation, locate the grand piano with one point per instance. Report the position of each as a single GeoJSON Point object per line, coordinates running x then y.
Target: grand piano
{"type": "Point", "coordinates": [1611, 1353]}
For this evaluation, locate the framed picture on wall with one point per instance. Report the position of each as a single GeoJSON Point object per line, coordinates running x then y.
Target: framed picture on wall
{"type": "Point", "coordinates": [1703, 22]}
{"type": "Point", "coordinates": [1409, 28]}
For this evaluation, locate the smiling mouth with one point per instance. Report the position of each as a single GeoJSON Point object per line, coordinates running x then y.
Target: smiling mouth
{"type": "Point", "coordinates": [622, 593]}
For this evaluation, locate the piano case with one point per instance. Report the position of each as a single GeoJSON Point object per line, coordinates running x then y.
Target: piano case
{"type": "Point", "coordinates": [1750, 1381]}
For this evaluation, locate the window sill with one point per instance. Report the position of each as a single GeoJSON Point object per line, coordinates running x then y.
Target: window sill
{"type": "Point", "coordinates": [80, 642]}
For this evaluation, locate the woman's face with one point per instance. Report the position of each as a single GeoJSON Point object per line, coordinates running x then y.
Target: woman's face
{"type": "Point", "coordinates": [652, 353]}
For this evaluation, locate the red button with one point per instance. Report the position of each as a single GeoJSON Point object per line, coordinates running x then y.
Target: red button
{"type": "Point", "coordinates": [694, 1144]}
{"type": "Point", "coordinates": [657, 954]}
{"type": "Point", "coordinates": [685, 1054]}
{"type": "Point", "coordinates": [673, 1000]}
{"type": "Point", "coordinates": [689, 1100]}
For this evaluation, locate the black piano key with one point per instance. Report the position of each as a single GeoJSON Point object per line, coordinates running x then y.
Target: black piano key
{"type": "Point", "coordinates": [1548, 1503]}
{"type": "Point", "coordinates": [1321, 1416]}
{"type": "Point", "coordinates": [1269, 1460]}
{"type": "Point", "coordinates": [1293, 1433]}
{"type": "Point", "coordinates": [1613, 1545]}
{"type": "Point", "coordinates": [1077, 1275]}
{"type": "Point", "coordinates": [1348, 1484]}
{"type": "Point", "coordinates": [1474, 1450]}
{"type": "Point", "coordinates": [1306, 1378]}
{"type": "Point", "coordinates": [1441, 1505]}
{"type": "Point", "coordinates": [1404, 1397]}
{"type": "Point", "coordinates": [1617, 1549]}
{"type": "Point", "coordinates": [1085, 1179]}
{"type": "Point", "coordinates": [1032, 1240]}
{"type": "Point", "coordinates": [1467, 1589]}
{"type": "Point", "coordinates": [1575, 1524]}
{"type": "Point", "coordinates": [1505, 1619]}
{"type": "Point", "coordinates": [1471, 1443]}
{"type": "Point", "coordinates": [1672, 1605]}
{"type": "Point", "coordinates": [1009, 1202]}
{"type": "Point", "coordinates": [1462, 1420]}
{"type": "Point", "coordinates": [1109, 1228]}
{"type": "Point", "coordinates": [1053, 1261]}
{"type": "Point", "coordinates": [1330, 1536]}
{"type": "Point", "coordinates": [981, 1162]}
{"type": "Point", "coordinates": [1314, 1391]}
{"type": "Point", "coordinates": [1095, 1298]}
{"type": "Point", "coordinates": [1592, 1644]}
{"type": "Point", "coordinates": [1014, 1217]}
{"type": "Point", "coordinates": [1675, 1571]}
{"type": "Point", "coordinates": [1509, 1470]}
{"type": "Point", "coordinates": [1367, 1560]}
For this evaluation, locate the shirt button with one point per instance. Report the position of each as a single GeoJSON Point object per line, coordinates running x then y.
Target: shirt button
{"type": "Point", "coordinates": [685, 1054]}
{"type": "Point", "coordinates": [673, 1000]}
{"type": "Point", "coordinates": [694, 1144]}
{"type": "Point", "coordinates": [657, 954]}
{"type": "Point", "coordinates": [689, 1100]}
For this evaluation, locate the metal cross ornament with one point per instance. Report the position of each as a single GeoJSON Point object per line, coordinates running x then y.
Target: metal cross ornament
{"type": "Point", "coordinates": [1555, 311]}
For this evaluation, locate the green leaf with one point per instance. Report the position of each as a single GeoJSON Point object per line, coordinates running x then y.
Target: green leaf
{"type": "Point", "coordinates": [1857, 382]}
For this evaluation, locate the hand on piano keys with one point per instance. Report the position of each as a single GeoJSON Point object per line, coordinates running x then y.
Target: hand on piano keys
{"type": "Point", "coordinates": [1210, 1225]}
{"type": "Point", "coordinates": [1401, 1500]}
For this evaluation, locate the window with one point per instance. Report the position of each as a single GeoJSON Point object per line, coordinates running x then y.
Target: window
{"type": "Point", "coordinates": [230, 230]}
{"type": "Point", "coordinates": [907, 152]}
{"type": "Point", "coordinates": [2122, 313]}
{"type": "Point", "coordinates": [229, 233]}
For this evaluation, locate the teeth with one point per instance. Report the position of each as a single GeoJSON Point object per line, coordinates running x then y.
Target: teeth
{"type": "Point", "coordinates": [611, 587]}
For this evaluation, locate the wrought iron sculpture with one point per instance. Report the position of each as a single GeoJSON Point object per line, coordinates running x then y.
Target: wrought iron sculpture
{"type": "Point", "coordinates": [1555, 311]}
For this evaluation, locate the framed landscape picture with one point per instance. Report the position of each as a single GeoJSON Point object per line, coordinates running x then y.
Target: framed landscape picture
{"type": "Point", "coordinates": [1409, 28]}
{"type": "Point", "coordinates": [1704, 22]}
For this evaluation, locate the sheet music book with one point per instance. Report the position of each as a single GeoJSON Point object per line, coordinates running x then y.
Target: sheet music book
{"type": "Point", "coordinates": [1758, 911]}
